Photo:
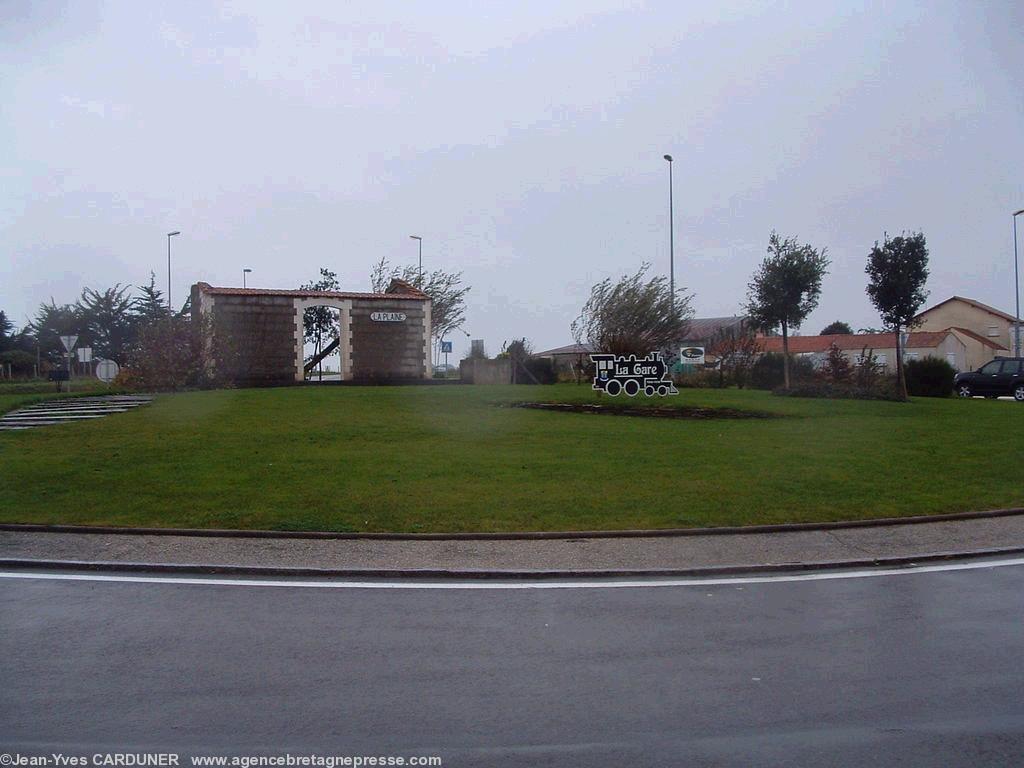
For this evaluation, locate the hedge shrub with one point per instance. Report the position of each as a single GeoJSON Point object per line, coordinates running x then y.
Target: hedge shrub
{"type": "Point", "coordinates": [767, 371]}
{"type": "Point", "coordinates": [929, 377]}
{"type": "Point", "coordinates": [885, 389]}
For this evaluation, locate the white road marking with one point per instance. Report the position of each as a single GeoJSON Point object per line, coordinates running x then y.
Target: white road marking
{"type": "Point", "coordinates": [526, 584]}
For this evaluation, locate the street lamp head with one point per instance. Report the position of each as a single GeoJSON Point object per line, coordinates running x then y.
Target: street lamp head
{"type": "Point", "coordinates": [172, 234]}
{"type": "Point", "coordinates": [669, 158]}
{"type": "Point", "coordinates": [1018, 213]}
{"type": "Point", "coordinates": [246, 269]}
{"type": "Point", "coordinates": [415, 237]}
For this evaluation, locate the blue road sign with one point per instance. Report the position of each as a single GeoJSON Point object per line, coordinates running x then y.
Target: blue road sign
{"type": "Point", "coordinates": [446, 346]}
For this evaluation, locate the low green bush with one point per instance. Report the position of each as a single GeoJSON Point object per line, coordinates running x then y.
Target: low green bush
{"type": "Point", "coordinates": [538, 370]}
{"type": "Point", "coordinates": [702, 378]}
{"type": "Point", "coordinates": [929, 377]}
{"type": "Point", "coordinates": [21, 363]}
{"type": "Point", "coordinates": [767, 373]}
{"type": "Point", "coordinates": [885, 389]}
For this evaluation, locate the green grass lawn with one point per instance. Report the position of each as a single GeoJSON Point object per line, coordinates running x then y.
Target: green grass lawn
{"type": "Point", "coordinates": [451, 458]}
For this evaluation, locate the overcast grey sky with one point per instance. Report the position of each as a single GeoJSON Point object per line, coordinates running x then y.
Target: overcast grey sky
{"type": "Point", "coordinates": [522, 140]}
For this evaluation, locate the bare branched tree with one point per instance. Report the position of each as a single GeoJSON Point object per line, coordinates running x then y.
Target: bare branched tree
{"type": "Point", "coordinates": [445, 289]}
{"type": "Point", "coordinates": [736, 348]}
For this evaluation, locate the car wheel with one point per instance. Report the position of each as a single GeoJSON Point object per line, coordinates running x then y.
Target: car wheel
{"type": "Point", "coordinates": [1018, 393]}
{"type": "Point", "coordinates": [964, 390]}
{"type": "Point", "coordinates": [613, 388]}
{"type": "Point", "coordinates": [632, 388]}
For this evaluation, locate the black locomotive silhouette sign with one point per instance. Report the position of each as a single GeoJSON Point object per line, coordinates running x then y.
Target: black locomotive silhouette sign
{"type": "Point", "coordinates": [614, 374]}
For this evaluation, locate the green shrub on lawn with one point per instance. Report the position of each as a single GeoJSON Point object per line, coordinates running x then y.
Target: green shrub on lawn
{"type": "Point", "coordinates": [929, 377]}
{"type": "Point", "coordinates": [767, 371]}
{"type": "Point", "coordinates": [886, 388]}
{"type": "Point", "coordinates": [538, 370]}
{"type": "Point", "coordinates": [22, 363]}
{"type": "Point", "coordinates": [701, 378]}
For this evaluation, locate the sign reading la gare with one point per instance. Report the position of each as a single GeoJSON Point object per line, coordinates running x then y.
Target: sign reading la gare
{"type": "Point", "coordinates": [388, 317]}
{"type": "Point", "coordinates": [627, 374]}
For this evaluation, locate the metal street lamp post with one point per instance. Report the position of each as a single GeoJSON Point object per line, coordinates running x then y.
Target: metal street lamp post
{"type": "Point", "coordinates": [420, 241]}
{"type": "Point", "coordinates": [443, 343]}
{"type": "Point", "coordinates": [671, 238]}
{"type": "Point", "coordinates": [245, 272]}
{"type": "Point", "coordinates": [1016, 289]}
{"type": "Point", "coordinates": [169, 236]}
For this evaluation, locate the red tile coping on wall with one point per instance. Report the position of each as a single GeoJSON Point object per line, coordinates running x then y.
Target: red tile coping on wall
{"type": "Point", "coordinates": [398, 289]}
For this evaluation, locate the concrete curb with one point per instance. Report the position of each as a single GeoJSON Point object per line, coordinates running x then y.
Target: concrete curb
{"type": "Point", "coordinates": [524, 535]}
{"type": "Point", "coordinates": [508, 575]}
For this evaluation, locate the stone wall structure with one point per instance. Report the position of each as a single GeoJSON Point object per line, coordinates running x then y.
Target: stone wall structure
{"type": "Point", "coordinates": [476, 371]}
{"type": "Point", "coordinates": [383, 336]}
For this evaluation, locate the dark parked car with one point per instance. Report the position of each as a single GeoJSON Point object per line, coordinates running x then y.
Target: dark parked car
{"type": "Point", "coordinates": [1002, 376]}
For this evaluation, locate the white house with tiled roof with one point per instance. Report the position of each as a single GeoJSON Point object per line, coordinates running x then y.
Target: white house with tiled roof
{"type": "Point", "coordinates": [959, 312]}
{"type": "Point", "coordinates": [960, 347]}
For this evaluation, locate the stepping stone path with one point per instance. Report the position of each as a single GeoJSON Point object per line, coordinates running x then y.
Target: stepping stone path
{"type": "Point", "coordinates": [69, 409]}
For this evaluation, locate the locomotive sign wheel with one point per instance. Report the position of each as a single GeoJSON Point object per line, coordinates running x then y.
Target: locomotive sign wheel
{"type": "Point", "coordinates": [616, 374]}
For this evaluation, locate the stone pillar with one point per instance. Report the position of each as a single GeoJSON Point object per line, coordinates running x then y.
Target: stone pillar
{"type": "Point", "coordinates": [300, 375]}
{"type": "Point", "coordinates": [345, 341]}
{"type": "Point", "coordinates": [427, 370]}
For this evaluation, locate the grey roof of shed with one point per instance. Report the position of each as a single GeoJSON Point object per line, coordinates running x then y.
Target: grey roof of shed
{"type": "Point", "coordinates": [568, 349]}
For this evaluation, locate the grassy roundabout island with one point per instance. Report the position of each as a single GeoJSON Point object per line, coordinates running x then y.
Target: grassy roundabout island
{"type": "Point", "coordinates": [460, 458]}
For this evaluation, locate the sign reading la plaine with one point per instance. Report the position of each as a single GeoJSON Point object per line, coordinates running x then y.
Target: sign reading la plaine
{"type": "Point", "coordinates": [388, 317]}
{"type": "Point", "coordinates": [615, 374]}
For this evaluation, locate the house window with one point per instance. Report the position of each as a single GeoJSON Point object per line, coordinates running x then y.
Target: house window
{"type": "Point", "coordinates": [993, 330]}
{"type": "Point", "coordinates": [951, 359]}
{"type": "Point", "coordinates": [912, 355]}
{"type": "Point", "coordinates": [882, 358]}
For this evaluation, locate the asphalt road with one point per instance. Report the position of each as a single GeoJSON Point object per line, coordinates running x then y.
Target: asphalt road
{"type": "Point", "coordinates": [910, 669]}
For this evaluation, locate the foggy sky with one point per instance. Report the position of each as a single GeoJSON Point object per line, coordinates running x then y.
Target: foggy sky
{"type": "Point", "coordinates": [522, 140]}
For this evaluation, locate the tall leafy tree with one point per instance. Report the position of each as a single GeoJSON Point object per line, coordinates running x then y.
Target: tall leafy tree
{"type": "Point", "coordinates": [51, 322]}
{"type": "Point", "coordinates": [6, 326]}
{"type": "Point", "coordinates": [105, 318]}
{"type": "Point", "coordinates": [836, 328]}
{"type": "Point", "coordinates": [897, 272]}
{"type": "Point", "coordinates": [149, 304]}
{"type": "Point", "coordinates": [633, 316]}
{"type": "Point", "coordinates": [786, 288]}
